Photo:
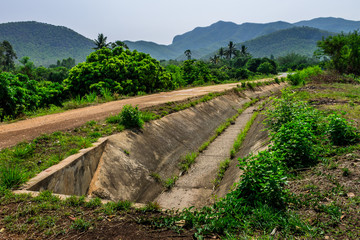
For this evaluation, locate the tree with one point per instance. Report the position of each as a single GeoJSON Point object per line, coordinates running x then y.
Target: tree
{"type": "Point", "coordinates": [67, 63]}
{"type": "Point", "coordinates": [215, 59]}
{"type": "Point", "coordinates": [119, 44]}
{"type": "Point", "coordinates": [244, 51]}
{"type": "Point", "coordinates": [221, 52]}
{"type": "Point", "coordinates": [100, 42]}
{"type": "Point", "coordinates": [231, 51]}
{"type": "Point", "coordinates": [343, 50]}
{"type": "Point", "coordinates": [7, 56]}
{"type": "Point", "coordinates": [188, 54]}
{"type": "Point", "coordinates": [27, 67]}
{"type": "Point", "coordinates": [265, 68]}
{"type": "Point", "coordinates": [119, 71]}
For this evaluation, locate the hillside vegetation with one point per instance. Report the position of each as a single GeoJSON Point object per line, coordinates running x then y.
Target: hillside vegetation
{"type": "Point", "coordinates": [300, 40]}
{"type": "Point", "coordinates": [45, 43]}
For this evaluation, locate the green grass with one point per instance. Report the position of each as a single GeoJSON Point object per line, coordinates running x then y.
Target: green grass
{"type": "Point", "coordinates": [223, 166]}
{"type": "Point", "coordinates": [170, 182]}
{"type": "Point", "coordinates": [241, 136]}
{"type": "Point", "coordinates": [187, 161]}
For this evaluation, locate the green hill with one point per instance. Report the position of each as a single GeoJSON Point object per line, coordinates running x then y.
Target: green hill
{"type": "Point", "coordinates": [301, 40]}
{"type": "Point", "coordinates": [45, 43]}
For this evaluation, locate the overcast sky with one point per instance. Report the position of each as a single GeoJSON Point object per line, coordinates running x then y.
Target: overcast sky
{"type": "Point", "coordinates": [160, 20]}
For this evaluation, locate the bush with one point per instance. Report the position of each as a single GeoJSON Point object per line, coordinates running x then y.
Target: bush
{"type": "Point", "coordinates": [287, 108]}
{"type": "Point", "coordinates": [341, 131]}
{"type": "Point", "coordinates": [296, 143]}
{"type": "Point", "coordinates": [263, 180]}
{"type": "Point", "coordinates": [131, 117]}
{"type": "Point", "coordinates": [300, 77]}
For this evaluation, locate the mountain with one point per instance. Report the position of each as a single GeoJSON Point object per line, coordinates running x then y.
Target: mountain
{"type": "Point", "coordinates": [301, 40]}
{"type": "Point", "coordinates": [45, 43]}
{"type": "Point", "coordinates": [220, 33]}
{"type": "Point", "coordinates": [330, 24]}
{"type": "Point", "coordinates": [204, 40]}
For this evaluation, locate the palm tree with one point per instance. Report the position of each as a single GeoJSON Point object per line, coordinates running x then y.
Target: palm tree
{"type": "Point", "coordinates": [215, 59]}
{"type": "Point", "coordinates": [243, 51]}
{"type": "Point", "coordinates": [188, 54]}
{"type": "Point", "coordinates": [221, 52]}
{"type": "Point", "coordinates": [100, 42]}
{"type": "Point", "coordinates": [119, 44]}
{"type": "Point", "coordinates": [231, 50]}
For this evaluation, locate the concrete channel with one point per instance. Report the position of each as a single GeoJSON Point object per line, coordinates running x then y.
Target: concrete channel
{"type": "Point", "coordinates": [119, 167]}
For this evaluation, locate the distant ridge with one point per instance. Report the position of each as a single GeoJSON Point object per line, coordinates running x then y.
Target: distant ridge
{"type": "Point", "coordinates": [204, 40]}
{"type": "Point", "coordinates": [331, 24]}
{"type": "Point", "coordinates": [45, 43]}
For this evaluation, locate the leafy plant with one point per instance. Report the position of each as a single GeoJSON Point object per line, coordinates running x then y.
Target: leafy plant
{"type": "Point", "coordinates": [170, 182]}
{"type": "Point", "coordinates": [131, 117]}
{"type": "Point", "coordinates": [296, 143]}
{"type": "Point", "coordinates": [341, 131]}
{"type": "Point", "coordinates": [187, 161]}
{"type": "Point", "coordinates": [263, 180]}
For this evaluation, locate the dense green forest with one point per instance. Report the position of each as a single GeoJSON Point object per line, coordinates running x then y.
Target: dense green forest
{"type": "Point", "coordinates": [300, 40]}
{"type": "Point", "coordinates": [45, 43]}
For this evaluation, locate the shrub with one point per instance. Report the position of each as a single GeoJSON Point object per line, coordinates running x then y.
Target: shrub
{"type": "Point", "coordinates": [131, 117]}
{"type": "Point", "coordinates": [295, 142]}
{"type": "Point", "coordinates": [263, 180]}
{"type": "Point", "coordinates": [300, 77]}
{"type": "Point", "coordinates": [287, 108]}
{"type": "Point", "coordinates": [341, 131]}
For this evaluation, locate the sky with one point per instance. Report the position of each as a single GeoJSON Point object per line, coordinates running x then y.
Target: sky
{"type": "Point", "coordinates": [160, 20]}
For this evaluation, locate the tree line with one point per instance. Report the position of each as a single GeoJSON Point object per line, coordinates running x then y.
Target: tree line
{"type": "Point", "coordinates": [113, 69]}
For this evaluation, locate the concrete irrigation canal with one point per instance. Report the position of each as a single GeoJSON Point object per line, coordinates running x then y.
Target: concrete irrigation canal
{"type": "Point", "coordinates": [132, 164]}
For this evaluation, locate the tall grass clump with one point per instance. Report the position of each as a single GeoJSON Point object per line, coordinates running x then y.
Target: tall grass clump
{"type": "Point", "coordinates": [12, 176]}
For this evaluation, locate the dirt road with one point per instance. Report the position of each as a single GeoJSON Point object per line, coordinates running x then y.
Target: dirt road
{"type": "Point", "coordinates": [13, 133]}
